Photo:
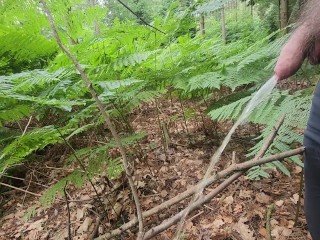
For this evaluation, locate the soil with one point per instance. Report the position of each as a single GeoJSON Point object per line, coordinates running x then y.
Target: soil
{"type": "Point", "coordinates": [165, 165]}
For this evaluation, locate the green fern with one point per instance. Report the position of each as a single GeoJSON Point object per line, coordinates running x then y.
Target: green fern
{"type": "Point", "coordinates": [24, 145]}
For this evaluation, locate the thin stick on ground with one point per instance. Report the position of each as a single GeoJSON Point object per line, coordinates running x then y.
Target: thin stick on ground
{"type": "Point", "coordinates": [86, 173]}
{"type": "Point", "coordinates": [19, 189]}
{"type": "Point", "coordinates": [104, 115]}
{"type": "Point", "coordinates": [68, 210]}
{"type": "Point", "coordinates": [238, 167]}
{"type": "Point", "coordinates": [234, 168]}
{"type": "Point", "coordinates": [299, 201]}
{"type": "Point", "coordinates": [213, 161]}
{"type": "Point", "coordinates": [268, 225]}
{"type": "Point", "coordinates": [197, 202]}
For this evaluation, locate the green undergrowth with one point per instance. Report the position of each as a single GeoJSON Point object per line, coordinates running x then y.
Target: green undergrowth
{"type": "Point", "coordinates": [130, 64]}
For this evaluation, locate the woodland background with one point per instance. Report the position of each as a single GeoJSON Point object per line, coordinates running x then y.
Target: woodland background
{"type": "Point", "coordinates": [173, 76]}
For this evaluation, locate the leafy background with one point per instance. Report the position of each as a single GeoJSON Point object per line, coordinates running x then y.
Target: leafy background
{"type": "Point", "coordinates": [131, 64]}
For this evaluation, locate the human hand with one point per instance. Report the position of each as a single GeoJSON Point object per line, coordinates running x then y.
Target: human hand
{"type": "Point", "coordinates": [295, 51]}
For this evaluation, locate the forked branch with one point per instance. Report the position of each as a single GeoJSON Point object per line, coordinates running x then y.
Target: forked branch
{"type": "Point", "coordinates": [103, 113]}
{"type": "Point", "coordinates": [237, 170]}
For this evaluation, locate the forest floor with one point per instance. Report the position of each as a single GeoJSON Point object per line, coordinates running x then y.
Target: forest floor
{"type": "Point", "coordinates": [239, 212]}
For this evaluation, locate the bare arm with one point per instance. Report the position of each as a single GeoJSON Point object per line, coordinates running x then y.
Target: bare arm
{"type": "Point", "coordinates": [304, 42]}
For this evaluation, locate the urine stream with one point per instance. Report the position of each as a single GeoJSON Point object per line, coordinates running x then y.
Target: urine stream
{"type": "Point", "coordinates": [257, 98]}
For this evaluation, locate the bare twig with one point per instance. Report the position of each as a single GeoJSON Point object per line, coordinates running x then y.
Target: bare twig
{"type": "Point", "coordinates": [213, 161]}
{"type": "Point", "coordinates": [141, 19]}
{"type": "Point", "coordinates": [25, 194]}
{"type": "Point", "coordinates": [104, 114]}
{"type": "Point", "coordinates": [268, 225]}
{"type": "Point", "coordinates": [197, 198]}
{"type": "Point", "coordinates": [192, 190]}
{"type": "Point", "coordinates": [84, 170]}
{"type": "Point", "coordinates": [68, 210]}
{"type": "Point", "coordinates": [96, 228]}
{"type": "Point", "coordinates": [22, 179]}
{"type": "Point", "coordinates": [196, 205]}
{"type": "Point", "coordinates": [19, 189]}
{"type": "Point", "coordinates": [25, 129]}
{"type": "Point", "coordinates": [299, 201]}
{"type": "Point", "coordinates": [238, 167]}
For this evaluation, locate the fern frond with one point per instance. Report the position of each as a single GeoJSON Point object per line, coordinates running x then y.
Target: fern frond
{"type": "Point", "coordinates": [23, 146]}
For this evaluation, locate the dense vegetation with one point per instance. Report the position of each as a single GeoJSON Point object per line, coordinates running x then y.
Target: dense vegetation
{"type": "Point", "coordinates": [129, 64]}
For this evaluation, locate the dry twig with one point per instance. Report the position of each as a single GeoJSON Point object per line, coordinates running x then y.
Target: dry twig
{"type": "Point", "coordinates": [104, 114]}
{"type": "Point", "coordinates": [238, 168]}
{"type": "Point", "coordinates": [19, 189]}
{"type": "Point", "coordinates": [68, 210]}
{"type": "Point", "coordinates": [268, 226]}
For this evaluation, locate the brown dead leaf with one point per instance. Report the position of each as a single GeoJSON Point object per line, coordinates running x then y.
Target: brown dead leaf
{"type": "Point", "coordinates": [279, 203]}
{"type": "Point", "coordinates": [164, 193]}
{"type": "Point", "coordinates": [295, 198]}
{"type": "Point", "coordinates": [238, 208]}
{"type": "Point", "coordinates": [243, 229]}
{"type": "Point", "coordinates": [263, 232]}
{"type": "Point", "coordinates": [84, 226]}
{"type": "Point", "coordinates": [215, 225]}
{"type": "Point", "coordinates": [80, 214]}
{"type": "Point", "coordinates": [37, 225]}
{"type": "Point", "coordinates": [117, 208]}
{"type": "Point", "coordinates": [278, 232]}
{"type": "Point", "coordinates": [228, 200]}
{"type": "Point", "coordinates": [61, 234]}
{"type": "Point", "coordinates": [297, 169]}
{"type": "Point", "coordinates": [245, 194]}
{"type": "Point", "coordinates": [263, 198]}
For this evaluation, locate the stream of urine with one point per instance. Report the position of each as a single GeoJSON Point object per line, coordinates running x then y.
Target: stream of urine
{"type": "Point", "coordinates": [257, 98]}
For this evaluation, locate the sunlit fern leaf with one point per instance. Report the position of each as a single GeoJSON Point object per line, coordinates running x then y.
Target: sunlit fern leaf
{"type": "Point", "coordinates": [63, 104]}
{"type": "Point", "coordinates": [133, 59]}
{"type": "Point", "coordinates": [23, 146]}
{"type": "Point", "coordinates": [230, 111]}
{"type": "Point", "coordinates": [128, 140]}
{"type": "Point", "coordinates": [15, 112]}
{"type": "Point", "coordinates": [209, 80]}
{"type": "Point", "coordinates": [76, 178]}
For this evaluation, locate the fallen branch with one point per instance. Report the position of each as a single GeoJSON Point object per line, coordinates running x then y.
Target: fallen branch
{"type": "Point", "coordinates": [194, 206]}
{"type": "Point", "coordinates": [238, 167]}
{"type": "Point", "coordinates": [268, 225]}
{"type": "Point", "coordinates": [104, 114]}
{"type": "Point", "coordinates": [68, 211]}
{"type": "Point", "coordinates": [198, 202]}
{"type": "Point", "coordinates": [19, 189]}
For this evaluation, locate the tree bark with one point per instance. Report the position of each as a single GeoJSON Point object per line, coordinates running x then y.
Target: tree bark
{"type": "Point", "coordinates": [284, 14]}
{"type": "Point", "coordinates": [223, 26]}
{"type": "Point", "coordinates": [202, 24]}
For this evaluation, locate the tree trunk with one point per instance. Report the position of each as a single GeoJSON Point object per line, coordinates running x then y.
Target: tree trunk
{"type": "Point", "coordinates": [97, 31]}
{"type": "Point", "coordinates": [236, 10]}
{"type": "Point", "coordinates": [223, 26]}
{"type": "Point", "coordinates": [202, 24]}
{"type": "Point", "coordinates": [284, 14]}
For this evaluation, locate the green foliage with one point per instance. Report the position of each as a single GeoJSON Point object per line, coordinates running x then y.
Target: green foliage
{"type": "Point", "coordinates": [130, 64]}
{"type": "Point", "coordinates": [24, 145]}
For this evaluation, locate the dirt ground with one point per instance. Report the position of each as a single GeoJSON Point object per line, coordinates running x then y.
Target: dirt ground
{"type": "Point", "coordinates": [162, 172]}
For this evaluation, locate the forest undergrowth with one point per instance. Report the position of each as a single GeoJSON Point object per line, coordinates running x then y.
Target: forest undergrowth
{"type": "Point", "coordinates": [100, 108]}
{"type": "Point", "coordinates": [240, 211]}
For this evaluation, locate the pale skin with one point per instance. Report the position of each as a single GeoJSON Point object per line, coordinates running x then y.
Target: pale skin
{"type": "Point", "coordinates": [304, 42]}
